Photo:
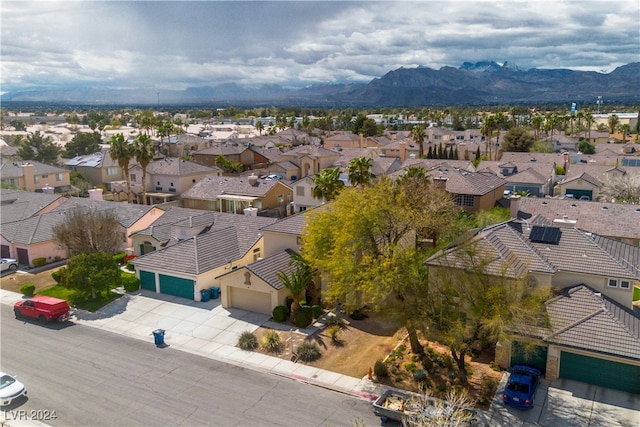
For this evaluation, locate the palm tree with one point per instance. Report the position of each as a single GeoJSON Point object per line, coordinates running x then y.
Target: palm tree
{"type": "Point", "coordinates": [411, 175]}
{"type": "Point", "coordinates": [122, 153]}
{"type": "Point", "coordinates": [613, 122]}
{"type": "Point", "coordinates": [417, 134]}
{"type": "Point", "coordinates": [624, 129]}
{"type": "Point", "coordinates": [260, 126]}
{"type": "Point", "coordinates": [296, 282]}
{"type": "Point", "coordinates": [327, 184]}
{"type": "Point", "coordinates": [488, 124]}
{"type": "Point", "coordinates": [359, 170]}
{"type": "Point", "coordinates": [588, 119]}
{"type": "Point", "coordinates": [536, 123]}
{"type": "Point", "coordinates": [144, 151]}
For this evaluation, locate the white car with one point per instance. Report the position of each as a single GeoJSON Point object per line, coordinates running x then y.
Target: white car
{"type": "Point", "coordinates": [8, 264]}
{"type": "Point", "coordinates": [272, 177]}
{"type": "Point", "coordinates": [10, 389]}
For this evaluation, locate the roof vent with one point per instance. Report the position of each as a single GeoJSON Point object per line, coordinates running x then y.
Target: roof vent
{"type": "Point", "coordinates": [605, 207]}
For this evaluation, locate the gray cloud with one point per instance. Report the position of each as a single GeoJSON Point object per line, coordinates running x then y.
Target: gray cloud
{"type": "Point", "coordinates": [180, 44]}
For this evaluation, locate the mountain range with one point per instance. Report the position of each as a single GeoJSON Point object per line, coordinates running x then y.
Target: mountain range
{"type": "Point", "coordinates": [481, 83]}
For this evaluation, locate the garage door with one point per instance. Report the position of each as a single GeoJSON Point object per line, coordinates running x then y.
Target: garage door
{"type": "Point", "coordinates": [148, 280]}
{"type": "Point", "coordinates": [604, 373]}
{"type": "Point", "coordinates": [246, 299]}
{"type": "Point", "coordinates": [529, 354]}
{"type": "Point", "coordinates": [579, 193]}
{"type": "Point", "coordinates": [177, 286]}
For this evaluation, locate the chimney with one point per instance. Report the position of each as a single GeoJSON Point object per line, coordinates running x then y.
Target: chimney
{"type": "Point", "coordinates": [361, 141]}
{"type": "Point", "coordinates": [403, 150]}
{"type": "Point", "coordinates": [47, 189]}
{"type": "Point", "coordinates": [440, 183]}
{"type": "Point", "coordinates": [514, 206]}
{"type": "Point", "coordinates": [253, 179]}
{"type": "Point", "coordinates": [95, 194]}
{"type": "Point", "coordinates": [565, 158]}
{"type": "Point", "coordinates": [27, 174]}
{"type": "Point", "coordinates": [250, 211]}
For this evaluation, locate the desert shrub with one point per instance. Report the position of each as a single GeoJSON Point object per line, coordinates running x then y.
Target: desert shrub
{"type": "Point", "coordinates": [358, 314]}
{"type": "Point", "coordinates": [308, 351]}
{"type": "Point", "coordinates": [399, 378]}
{"type": "Point", "coordinates": [280, 313]}
{"type": "Point", "coordinates": [130, 282]}
{"type": "Point", "coordinates": [380, 369]}
{"type": "Point", "coordinates": [28, 289]}
{"type": "Point", "coordinates": [447, 361]}
{"type": "Point", "coordinates": [441, 387]}
{"type": "Point", "coordinates": [317, 311]}
{"type": "Point", "coordinates": [131, 267]}
{"type": "Point", "coordinates": [302, 303]}
{"type": "Point", "coordinates": [39, 262]}
{"type": "Point", "coordinates": [248, 341]}
{"type": "Point", "coordinates": [304, 317]}
{"type": "Point", "coordinates": [119, 258]}
{"type": "Point", "coordinates": [271, 340]}
{"type": "Point", "coordinates": [414, 357]}
{"type": "Point", "coordinates": [427, 362]}
{"type": "Point", "coordinates": [410, 367]}
{"type": "Point", "coordinates": [334, 332]}
{"type": "Point", "coordinates": [334, 319]}
{"type": "Point", "coordinates": [57, 275]}
{"type": "Point", "coordinates": [420, 375]}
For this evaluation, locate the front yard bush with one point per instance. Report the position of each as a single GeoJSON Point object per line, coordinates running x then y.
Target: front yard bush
{"type": "Point", "coordinates": [420, 375]}
{"type": "Point", "coordinates": [28, 289]}
{"type": "Point", "coordinates": [119, 258]}
{"type": "Point", "coordinates": [57, 275]}
{"type": "Point", "coordinates": [271, 341]}
{"type": "Point", "coordinates": [334, 332]}
{"type": "Point", "coordinates": [317, 311]}
{"type": "Point", "coordinates": [248, 341]}
{"type": "Point", "coordinates": [358, 314]}
{"type": "Point", "coordinates": [304, 317]}
{"type": "Point", "coordinates": [130, 282]}
{"type": "Point", "coordinates": [39, 262]}
{"type": "Point", "coordinates": [334, 319]}
{"type": "Point", "coordinates": [309, 351]}
{"type": "Point", "coordinates": [280, 313]}
{"type": "Point", "coordinates": [380, 369]}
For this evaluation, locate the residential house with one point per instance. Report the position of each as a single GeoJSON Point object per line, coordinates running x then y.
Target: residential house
{"type": "Point", "coordinates": [196, 253]}
{"type": "Point", "coordinates": [472, 191]}
{"type": "Point", "coordinates": [581, 266]}
{"type": "Point", "coordinates": [8, 153]}
{"type": "Point", "coordinates": [285, 233]}
{"type": "Point", "coordinates": [235, 194]}
{"type": "Point", "coordinates": [303, 194]}
{"type": "Point", "coordinates": [35, 176]}
{"type": "Point", "coordinates": [166, 178]}
{"type": "Point", "coordinates": [583, 187]}
{"type": "Point", "coordinates": [534, 178]}
{"type": "Point", "coordinates": [98, 168]}
{"type": "Point", "coordinates": [311, 159]}
{"type": "Point", "coordinates": [344, 139]}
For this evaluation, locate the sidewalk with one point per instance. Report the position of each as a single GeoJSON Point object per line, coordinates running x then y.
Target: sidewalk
{"type": "Point", "coordinates": [208, 330]}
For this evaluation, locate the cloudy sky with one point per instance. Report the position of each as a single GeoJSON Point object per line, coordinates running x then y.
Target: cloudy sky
{"type": "Point", "coordinates": [178, 44]}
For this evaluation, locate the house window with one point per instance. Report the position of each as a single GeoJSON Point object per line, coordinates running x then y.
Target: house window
{"type": "Point", "coordinates": [613, 283]}
{"type": "Point", "coordinates": [300, 191]}
{"type": "Point", "coordinates": [256, 254]}
{"type": "Point", "coordinates": [464, 200]}
{"type": "Point", "coordinates": [133, 177]}
{"type": "Point", "coordinates": [112, 171]}
{"type": "Point", "coordinates": [280, 199]}
{"type": "Point", "coordinates": [45, 176]}
{"type": "Point", "coordinates": [58, 177]}
{"type": "Point", "coordinates": [625, 284]}
{"type": "Point", "coordinates": [302, 208]}
{"type": "Point", "coordinates": [36, 179]}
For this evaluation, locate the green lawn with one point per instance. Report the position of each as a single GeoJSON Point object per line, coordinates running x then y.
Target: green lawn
{"type": "Point", "coordinates": [636, 293]}
{"type": "Point", "coordinates": [74, 298]}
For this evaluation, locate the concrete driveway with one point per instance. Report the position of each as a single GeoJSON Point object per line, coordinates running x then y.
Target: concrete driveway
{"type": "Point", "coordinates": [569, 403]}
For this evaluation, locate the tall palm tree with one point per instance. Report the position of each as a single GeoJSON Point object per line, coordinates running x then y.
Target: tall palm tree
{"type": "Point", "coordinates": [488, 125]}
{"type": "Point", "coordinates": [536, 123]}
{"type": "Point", "coordinates": [359, 170]}
{"type": "Point", "coordinates": [121, 152]}
{"type": "Point", "coordinates": [589, 120]}
{"type": "Point", "coordinates": [260, 126]}
{"type": "Point", "coordinates": [417, 134]}
{"type": "Point", "coordinates": [613, 122]}
{"type": "Point", "coordinates": [296, 282]}
{"type": "Point", "coordinates": [144, 151]}
{"type": "Point", "coordinates": [327, 184]}
{"type": "Point", "coordinates": [624, 129]}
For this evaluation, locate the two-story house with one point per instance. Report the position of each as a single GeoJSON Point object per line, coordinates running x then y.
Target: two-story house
{"type": "Point", "coordinates": [34, 176]}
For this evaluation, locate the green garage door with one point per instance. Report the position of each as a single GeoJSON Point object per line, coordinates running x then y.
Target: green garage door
{"type": "Point", "coordinates": [579, 193]}
{"type": "Point", "coordinates": [176, 286]}
{"type": "Point", "coordinates": [148, 280]}
{"type": "Point", "coordinates": [529, 354]}
{"type": "Point", "coordinates": [604, 373]}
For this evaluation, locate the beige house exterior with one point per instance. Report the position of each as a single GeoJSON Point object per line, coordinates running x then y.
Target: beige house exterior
{"type": "Point", "coordinates": [34, 176]}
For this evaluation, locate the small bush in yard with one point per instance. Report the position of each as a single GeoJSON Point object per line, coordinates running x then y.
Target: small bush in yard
{"type": "Point", "coordinates": [334, 332]}
{"type": "Point", "coordinates": [335, 320]}
{"type": "Point", "coordinates": [248, 341]}
{"type": "Point", "coordinates": [410, 367]}
{"type": "Point", "coordinates": [317, 311]}
{"type": "Point", "coordinates": [130, 282]}
{"type": "Point", "coordinates": [57, 275]}
{"type": "Point", "coordinates": [119, 258]}
{"type": "Point", "coordinates": [28, 289]}
{"type": "Point", "coordinates": [420, 375]}
{"type": "Point", "coordinates": [358, 314]}
{"type": "Point", "coordinates": [308, 351]}
{"type": "Point", "coordinates": [304, 317]}
{"type": "Point", "coordinates": [271, 340]}
{"type": "Point", "coordinates": [280, 313]}
{"type": "Point", "coordinates": [380, 369]}
{"type": "Point", "coordinates": [39, 262]}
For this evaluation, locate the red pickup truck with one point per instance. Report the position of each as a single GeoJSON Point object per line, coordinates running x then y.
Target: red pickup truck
{"type": "Point", "coordinates": [45, 309]}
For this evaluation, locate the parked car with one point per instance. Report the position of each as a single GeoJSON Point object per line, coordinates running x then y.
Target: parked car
{"type": "Point", "coordinates": [272, 177]}
{"type": "Point", "coordinates": [521, 387]}
{"type": "Point", "coordinates": [8, 264]}
{"type": "Point", "coordinates": [10, 389]}
{"type": "Point", "coordinates": [43, 308]}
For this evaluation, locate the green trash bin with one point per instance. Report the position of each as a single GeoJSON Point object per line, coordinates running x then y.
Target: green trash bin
{"type": "Point", "coordinates": [215, 292]}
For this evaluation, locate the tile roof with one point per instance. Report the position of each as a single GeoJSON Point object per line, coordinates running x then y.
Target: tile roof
{"type": "Point", "coordinates": [311, 151]}
{"type": "Point", "coordinates": [585, 177]}
{"type": "Point", "coordinates": [178, 167]}
{"type": "Point", "coordinates": [267, 269]}
{"type": "Point", "coordinates": [127, 213]}
{"type": "Point", "coordinates": [602, 218]}
{"type": "Point", "coordinates": [517, 157]}
{"type": "Point", "coordinates": [223, 149]}
{"type": "Point", "coordinates": [36, 229]}
{"type": "Point", "coordinates": [210, 187]}
{"type": "Point", "coordinates": [293, 224]}
{"type": "Point", "coordinates": [460, 181]}
{"type": "Point", "coordinates": [19, 204]}
{"type": "Point", "coordinates": [583, 319]}
{"type": "Point", "coordinates": [101, 159]}
{"type": "Point", "coordinates": [15, 170]}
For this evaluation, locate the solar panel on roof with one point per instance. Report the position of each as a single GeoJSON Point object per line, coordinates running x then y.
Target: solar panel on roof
{"type": "Point", "coordinates": [542, 234]}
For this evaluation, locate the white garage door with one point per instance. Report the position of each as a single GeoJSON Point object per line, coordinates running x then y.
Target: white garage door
{"type": "Point", "coordinates": [249, 300]}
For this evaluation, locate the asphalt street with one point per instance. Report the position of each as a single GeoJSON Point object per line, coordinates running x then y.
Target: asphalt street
{"type": "Point", "coordinates": [92, 377]}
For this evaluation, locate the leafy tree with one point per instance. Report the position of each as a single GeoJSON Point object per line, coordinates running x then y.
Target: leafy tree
{"type": "Point", "coordinates": [82, 144]}
{"type": "Point", "coordinates": [121, 152]}
{"type": "Point", "coordinates": [586, 147]}
{"type": "Point", "coordinates": [80, 182]}
{"type": "Point", "coordinates": [18, 125]}
{"type": "Point", "coordinates": [621, 190]}
{"type": "Point", "coordinates": [91, 273]}
{"type": "Point", "coordinates": [327, 184]}
{"type": "Point", "coordinates": [359, 171]}
{"type": "Point", "coordinates": [613, 122]}
{"type": "Point", "coordinates": [541, 146]}
{"type": "Point", "coordinates": [144, 151]}
{"type": "Point", "coordinates": [364, 243]}
{"type": "Point", "coordinates": [624, 129]}
{"type": "Point", "coordinates": [518, 139]}
{"type": "Point", "coordinates": [417, 134]}
{"type": "Point", "coordinates": [468, 306]}
{"type": "Point", "coordinates": [38, 148]}
{"type": "Point", "coordinates": [85, 230]}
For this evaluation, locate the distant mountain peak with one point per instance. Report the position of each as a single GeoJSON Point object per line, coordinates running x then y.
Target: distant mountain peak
{"type": "Point", "coordinates": [489, 66]}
